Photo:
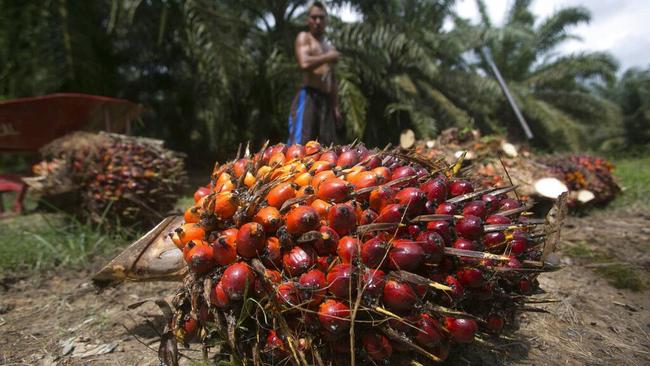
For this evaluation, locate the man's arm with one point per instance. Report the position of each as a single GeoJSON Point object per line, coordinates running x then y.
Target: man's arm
{"type": "Point", "coordinates": [308, 62]}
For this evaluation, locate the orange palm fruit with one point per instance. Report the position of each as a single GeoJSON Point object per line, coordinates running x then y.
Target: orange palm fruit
{"type": "Point", "coordinates": [303, 179]}
{"type": "Point", "coordinates": [321, 207]}
{"type": "Point", "coordinates": [225, 205]}
{"type": "Point", "coordinates": [193, 214]}
{"type": "Point", "coordinates": [270, 218]}
{"type": "Point", "coordinates": [280, 193]}
{"type": "Point", "coordinates": [320, 177]}
{"type": "Point", "coordinates": [320, 166]}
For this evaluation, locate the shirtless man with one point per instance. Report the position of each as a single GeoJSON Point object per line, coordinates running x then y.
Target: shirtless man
{"type": "Point", "coordinates": [315, 111]}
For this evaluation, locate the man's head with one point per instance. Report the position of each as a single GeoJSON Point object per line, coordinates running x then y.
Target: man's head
{"type": "Point", "coordinates": [317, 18]}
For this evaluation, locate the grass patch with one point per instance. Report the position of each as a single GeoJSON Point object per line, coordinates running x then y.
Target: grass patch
{"type": "Point", "coordinates": [620, 275]}
{"type": "Point", "coordinates": [633, 174]}
{"type": "Point", "coordinates": [39, 242]}
{"type": "Point", "coordinates": [624, 275]}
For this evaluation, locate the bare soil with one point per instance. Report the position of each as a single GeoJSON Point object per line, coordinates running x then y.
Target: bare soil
{"type": "Point", "coordinates": [60, 320]}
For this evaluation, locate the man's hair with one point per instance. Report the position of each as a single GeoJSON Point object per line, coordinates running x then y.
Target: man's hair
{"type": "Point", "coordinates": [317, 4]}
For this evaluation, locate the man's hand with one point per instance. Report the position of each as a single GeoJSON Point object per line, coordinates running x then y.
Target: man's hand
{"type": "Point", "coordinates": [333, 55]}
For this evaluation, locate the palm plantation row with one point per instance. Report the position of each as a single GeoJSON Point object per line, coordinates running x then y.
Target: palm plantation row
{"type": "Point", "coordinates": [224, 70]}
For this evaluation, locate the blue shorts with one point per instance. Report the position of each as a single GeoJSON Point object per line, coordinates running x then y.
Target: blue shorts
{"type": "Point", "coordinates": [312, 118]}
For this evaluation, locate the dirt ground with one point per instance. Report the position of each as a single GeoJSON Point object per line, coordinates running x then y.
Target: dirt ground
{"type": "Point", "coordinates": [61, 320]}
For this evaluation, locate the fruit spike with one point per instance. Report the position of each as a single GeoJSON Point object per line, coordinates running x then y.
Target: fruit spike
{"type": "Point", "coordinates": [330, 241]}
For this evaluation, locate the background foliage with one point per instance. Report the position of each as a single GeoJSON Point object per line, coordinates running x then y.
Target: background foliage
{"type": "Point", "coordinates": [215, 73]}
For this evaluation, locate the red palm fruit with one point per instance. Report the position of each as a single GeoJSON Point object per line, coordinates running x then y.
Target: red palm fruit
{"type": "Point", "coordinates": [402, 172]}
{"type": "Point", "coordinates": [435, 189]}
{"type": "Point", "coordinates": [470, 227]}
{"type": "Point", "coordinates": [298, 260]}
{"type": "Point", "coordinates": [461, 330]}
{"type": "Point", "coordinates": [398, 296]}
{"type": "Point", "coordinates": [270, 218]}
{"type": "Point", "coordinates": [339, 281]}
{"type": "Point", "coordinates": [347, 159]}
{"type": "Point", "coordinates": [272, 255]}
{"type": "Point", "coordinates": [460, 187]}
{"type": "Point", "coordinates": [392, 213]}
{"type": "Point", "coordinates": [383, 174]}
{"type": "Point", "coordinates": [250, 240]}
{"type": "Point", "coordinates": [442, 227]}
{"type": "Point", "coordinates": [201, 192]}
{"type": "Point", "coordinates": [312, 287]}
{"type": "Point", "coordinates": [495, 323]}
{"type": "Point", "coordinates": [237, 280]}
{"type": "Point", "coordinates": [329, 155]}
{"type": "Point", "coordinates": [333, 316]}
{"type": "Point", "coordinates": [348, 248]}
{"type": "Point", "coordinates": [321, 166]}
{"type": "Point", "coordinates": [200, 257]}
{"type": "Point", "coordinates": [321, 177]}
{"type": "Point", "coordinates": [187, 233]}
{"type": "Point", "coordinates": [312, 147]}
{"type": "Point", "coordinates": [513, 263]}
{"type": "Point", "coordinates": [413, 199]}
{"type": "Point", "coordinates": [405, 255]}
{"type": "Point", "coordinates": [287, 295]}
{"type": "Point", "coordinates": [274, 347]}
{"type": "Point", "coordinates": [368, 217]}
{"type": "Point", "coordinates": [518, 245]}
{"type": "Point", "coordinates": [491, 202]}
{"type": "Point", "coordinates": [277, 159]}
{"type": "Point", "coordinates": [376, 345]}
{"type": "Point", "coordinates": [364, 180]}
{"type": "Point", "coordinates": [497, 220]}
{"type": "Point", "coordinates": [279, 194]}
{"type": "Point", "coordinates": [525, 286]}
{"type": "Point", "coordinates": [328, 242]}
{"type": "Point", "coordinates": [428, 333]}
{"type": "Point", "coordinates": [334, 190]}
{"type": "Point", "coordinates": [374, 281]}
{"type": "Point", "coordinates": [323, 262]}
{"type": "Point", "coordinates": [188, 328]}
{"type": "Point", "coordinates": [380, 197]}
{"type": "Point", "coordinates": [321, 207]}
{"type": "Point", "coordinates": [279, 148]}
{"type": "Point", "coordinates": [223, 248]}
{"type": "Point", "coordinates": [457, 289]}
{"type": "Point", "coordinates": [370, 161]}
{"type": "Point", "coordinates": [302, 219]}
{"type": "Point", "coordinates": [446, 208]}
{"type": "Point", "coordinates": [433, 245]}
{"type": "Point", "coordinates": [296, 151]}
{"type": "Point", "coordinates": [342, 218]}
{"type": "Point", "coordinates": [465, 244]}
{"type": "Point", "coordinates": [218, 296]}
{"type": "Point", "coordinates": [508, 204]}
{"type": "Point", "coordinates": [475, 208]}
{"type": "Point", "coordinates": [192, 215]}
{"type": "Point", "coordinates": [493, 238]}
{"type": "Point", "coordinates": [225, 205]}
{"type": "Point", "coordinates": [239, 167]}
{"type": "Point", "coordinates": [470, 277]}
{"type": "Point", "coordinates": [374, 252]}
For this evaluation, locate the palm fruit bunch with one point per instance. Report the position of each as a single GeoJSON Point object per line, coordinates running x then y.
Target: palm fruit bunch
{"type": "Point", "coordinates": [585, 173]}
{"type": "Point", "coordinates": [338, 255]}
{"type": "Point", "coordinates": [120, 179]}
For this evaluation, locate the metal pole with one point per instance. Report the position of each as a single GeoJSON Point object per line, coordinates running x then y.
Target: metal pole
{"type": "Point", "coordinates": [506, 92]}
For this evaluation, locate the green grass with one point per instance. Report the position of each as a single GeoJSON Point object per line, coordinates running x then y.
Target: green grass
{"type": "Point", "coordinates": [618, 274]}
{"type": "Point", "coordinates": [633, 174]}
{"type": "Point", "coordinates": [39, 242]}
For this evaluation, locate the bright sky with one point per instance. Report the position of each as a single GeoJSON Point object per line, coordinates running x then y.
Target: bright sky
{"type": "Point", "coordinates": [621, 27]}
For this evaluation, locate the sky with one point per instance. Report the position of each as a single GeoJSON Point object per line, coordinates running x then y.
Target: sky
{"type": "Point", "coordinates": [621, 27]}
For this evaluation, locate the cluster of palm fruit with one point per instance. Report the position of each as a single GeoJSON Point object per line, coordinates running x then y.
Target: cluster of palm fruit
{"type": "Point", "coordinates": [121, 179]}
{"type": "Point", "coordinates": [586, 172]}
{"type": "Point", "coordinates": [315, 255]}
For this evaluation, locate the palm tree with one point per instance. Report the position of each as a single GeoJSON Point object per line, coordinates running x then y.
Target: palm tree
{"type": "Point", "coordinates": [552, 91]}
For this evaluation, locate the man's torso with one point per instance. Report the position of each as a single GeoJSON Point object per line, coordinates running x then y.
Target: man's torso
{"type": "Point", "coordinates": [319, 78]}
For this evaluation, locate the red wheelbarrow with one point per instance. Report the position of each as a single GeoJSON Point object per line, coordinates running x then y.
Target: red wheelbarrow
{"type": "Point", "coordinates": [28, 124]}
